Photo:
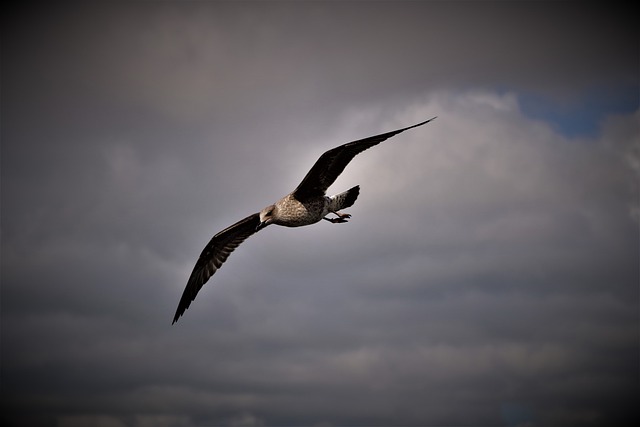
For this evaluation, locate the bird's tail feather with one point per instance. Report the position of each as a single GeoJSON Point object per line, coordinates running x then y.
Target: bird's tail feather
{"type": "Point", "coordinates": [344, 200]}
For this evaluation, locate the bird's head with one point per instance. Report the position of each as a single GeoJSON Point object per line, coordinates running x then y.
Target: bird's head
{"type": "Point", "coordinates": [267, 216]}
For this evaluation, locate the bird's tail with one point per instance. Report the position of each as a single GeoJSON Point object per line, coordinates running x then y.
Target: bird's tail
{"type": "Point", "coordinates": [344, 200]}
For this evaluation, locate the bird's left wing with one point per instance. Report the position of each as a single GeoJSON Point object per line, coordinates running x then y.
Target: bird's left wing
{"type": "Point", "coordinates": [213, 256]}
{"type": "Point", "coordinates": [331, 164]}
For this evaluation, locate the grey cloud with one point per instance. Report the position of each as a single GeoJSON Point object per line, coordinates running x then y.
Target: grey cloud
{"type": "Point", "coordinates": [489, 272]}
{"type": "Point", "coordinates": [201, 60]}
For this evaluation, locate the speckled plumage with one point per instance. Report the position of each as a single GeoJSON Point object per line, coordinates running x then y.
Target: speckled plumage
{"type": "Point", "coordinates": [306, 205]}
{"type": "Point", "coordinates": [291, 212]}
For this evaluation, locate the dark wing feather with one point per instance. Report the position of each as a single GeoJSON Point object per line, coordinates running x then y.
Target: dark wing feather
{"type": "Point", "coordinates": [331, 164]}
{"type": "Point", "coordinates": [213, 256]}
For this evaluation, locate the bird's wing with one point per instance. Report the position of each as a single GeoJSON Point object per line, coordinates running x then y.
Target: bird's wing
{"type": "Point", "coordinates": [213, 256]}
{"type": "Point", "coordinates": [331, 164]}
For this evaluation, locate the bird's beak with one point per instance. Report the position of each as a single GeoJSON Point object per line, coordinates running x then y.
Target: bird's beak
{"type": "Point", "coordinates": [261, 225]}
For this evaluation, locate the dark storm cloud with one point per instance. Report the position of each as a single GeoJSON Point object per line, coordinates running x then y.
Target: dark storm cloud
{"type": "Point", "coordinates": [488, 276]}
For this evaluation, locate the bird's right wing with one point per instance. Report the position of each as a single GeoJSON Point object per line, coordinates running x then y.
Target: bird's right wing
{"type": "Point", "coordinates": [213, 256]}
{"type": "Point", "coordinates": [331, 164]}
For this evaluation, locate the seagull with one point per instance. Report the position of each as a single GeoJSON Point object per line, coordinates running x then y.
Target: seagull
{"type": "Point", "coordinates": [305, 205]}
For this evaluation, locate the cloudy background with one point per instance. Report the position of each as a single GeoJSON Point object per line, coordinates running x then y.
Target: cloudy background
{"type": "Point", "coordinates": [489, 275]}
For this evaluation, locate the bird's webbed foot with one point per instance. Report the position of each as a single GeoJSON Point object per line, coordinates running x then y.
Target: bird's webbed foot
{"type": "Point", "coordinates": [340, 219]}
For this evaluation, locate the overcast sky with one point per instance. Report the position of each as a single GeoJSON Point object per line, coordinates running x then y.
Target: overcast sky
{"type": "Point", "coordinates": [489, 274]}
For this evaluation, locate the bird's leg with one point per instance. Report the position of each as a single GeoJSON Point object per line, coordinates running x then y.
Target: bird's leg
{"type": "Point", "coordinates": [341, 218]}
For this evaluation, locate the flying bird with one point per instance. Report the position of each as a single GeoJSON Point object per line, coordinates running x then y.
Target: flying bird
{"type": "Point", "coordinates": [305, 205]}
